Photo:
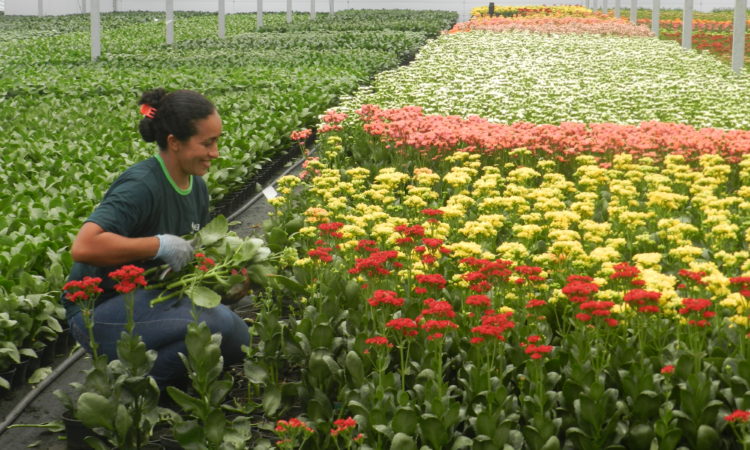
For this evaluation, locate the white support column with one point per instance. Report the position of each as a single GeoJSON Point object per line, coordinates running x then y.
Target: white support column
{"type": "Point", "coordinates": [114, 5]}
{"type": "Point", "coordinates": [312, 9]}
{"type": "Point", "coordinates": [40, 8]}
{"type": "Point", "coordinates": [259, 15]}
{"type": "Point", "coordinates": [96, 43]}
{"type": "Point", "coordinates": [687, 25]}
{"type": "Point", "coordinates": [170, 22]}
{"type": "Point", "coordinates": [222, 19]}
{"type": "Point", "coordinates": [288, 11]}
{"type": "Point", "coordinates": [605, 6]}
{"type": "Point", "coordinates": [330, 7]}
{"type": "Point", "coordinates": [738, 35]}
{"type": "Point", "coordinates": [617, 8]}
{"type": "Point", "coordinates": [655, 17]}
{"type": "Point", "coordinates": [634, 11]}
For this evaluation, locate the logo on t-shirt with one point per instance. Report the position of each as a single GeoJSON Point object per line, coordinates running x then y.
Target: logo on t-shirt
{"type": "Point", "coordinates": [196, 226]}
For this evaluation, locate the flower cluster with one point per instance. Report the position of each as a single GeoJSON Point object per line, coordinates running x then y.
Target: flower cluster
{"type": "Point", "coordinates": [577, 25]}
{"type": "Point", "coordinates": [82, 290]}
{"type": "Point", "coordinates": [129, 277]}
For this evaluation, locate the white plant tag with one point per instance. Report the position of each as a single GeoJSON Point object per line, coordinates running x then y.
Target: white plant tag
{"type": "Point", "coordinates": [270, 193]}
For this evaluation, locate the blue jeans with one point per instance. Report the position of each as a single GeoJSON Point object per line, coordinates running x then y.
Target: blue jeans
{"type": "Point", "coordinates": [163, 328]}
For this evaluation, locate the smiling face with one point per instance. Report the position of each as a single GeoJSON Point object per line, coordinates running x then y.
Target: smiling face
{"type": "Point", "coordinates": [194, 155]}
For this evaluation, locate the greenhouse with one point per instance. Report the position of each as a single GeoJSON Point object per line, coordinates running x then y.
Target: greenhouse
{"type": "Point", "coordinates": [393, 225]}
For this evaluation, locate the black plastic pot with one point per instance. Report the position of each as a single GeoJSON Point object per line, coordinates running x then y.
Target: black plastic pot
{"type": "Point", "coordinates": [9, 375]}
{"type": "Point", "coordinates": [64, 342]}
{"type": "Point", "coordinates": [75, 432]}
{"type": "Point", "coordinates": [47, 354]}
{"type": "Point", "coordinates": [21, 375]}
{"type": "Point", "coordinates": [169, 443]}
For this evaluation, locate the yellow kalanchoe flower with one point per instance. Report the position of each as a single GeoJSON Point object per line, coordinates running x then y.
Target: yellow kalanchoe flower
{"type": "Point", "coordinates": [466, 249]}
{"type": "Point", "coordinates": [513, 251]}
{"type": "Point", "coordinates": [647, 260]}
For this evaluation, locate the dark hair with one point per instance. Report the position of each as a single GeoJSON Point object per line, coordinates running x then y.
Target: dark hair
{"type": "Point", "coordinates": [176, 113]}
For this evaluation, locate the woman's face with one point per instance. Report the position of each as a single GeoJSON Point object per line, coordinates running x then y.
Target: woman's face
{"type": "Point", "coordinates": [194, 155]}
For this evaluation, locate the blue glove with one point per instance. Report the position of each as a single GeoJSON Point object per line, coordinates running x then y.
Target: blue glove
{"type": "Point", "coordinates": [174, 251]}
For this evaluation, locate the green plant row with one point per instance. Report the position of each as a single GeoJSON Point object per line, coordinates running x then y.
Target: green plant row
{"type": "Point", "coordinates": [71, 123]}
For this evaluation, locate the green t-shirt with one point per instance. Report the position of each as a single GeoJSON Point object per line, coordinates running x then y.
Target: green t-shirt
{"type": "Point", "coordinates": [144, 201]}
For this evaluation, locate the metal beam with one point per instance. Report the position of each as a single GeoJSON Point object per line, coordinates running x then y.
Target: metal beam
{"type": "Point", "coordinates": [738, 35]}
{"type": "Point", "coordinates": [40, 8]}
{"type": "Point", "coordinates": [170, 22]}
{"type": "Point", "coordinates": [312, 9]}
{"type": "Point", "coordinates": [96, 43]}
{"type": "Point", "coordinates": [634, 11]}
{"type": "Point", "coordinates": [687, 25]}
{"type": "Point", "coordinates": [656, 9]}
{"type": "Point", "coordinates": [222, 19]}
{"type": "Point", "coordinates": [288, 11]}
{"type": "Point", "coordinates": [259, 15]}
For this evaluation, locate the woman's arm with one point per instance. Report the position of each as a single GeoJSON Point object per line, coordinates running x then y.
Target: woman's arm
{"type": "Point", "coordinates": [97, 247]}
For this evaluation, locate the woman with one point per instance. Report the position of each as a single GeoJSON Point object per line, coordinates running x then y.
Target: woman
{"type": "Point", "coordinates": [140, 221]}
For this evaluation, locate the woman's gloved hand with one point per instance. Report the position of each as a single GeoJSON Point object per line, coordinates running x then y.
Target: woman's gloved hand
{"type": "Point", "coordinates": [174, 251]}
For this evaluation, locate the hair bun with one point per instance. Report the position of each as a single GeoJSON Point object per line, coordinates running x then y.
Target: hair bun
{"type": "Point", "coordinates": [153, 97]}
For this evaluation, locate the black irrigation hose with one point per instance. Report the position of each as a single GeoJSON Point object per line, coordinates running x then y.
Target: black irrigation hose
{"type": "Point", "coordinates": [34, 393]}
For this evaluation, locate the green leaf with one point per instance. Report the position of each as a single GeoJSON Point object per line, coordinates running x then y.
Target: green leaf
{"type": "Point", "coordinates": [271, 400]}
{"type": "Point", "coordinates": [354, 367]}
{"type": "Point", "coordinates": [39, 375]}
{"type": "Point", "coordinates": [255, 373]}
{"type": "Point", "coordinates": [95, 410]}
{"type": "Point", "coordinates": [403, 441]}
{"type": "Point", "coordinates": [462, 442]}
{"type": "Point", "coordinates": [213, 231]}
{"type": "Point", "coordinates": [291, 284]}
{"type": "Point", "coordinates": [433, 431]}
{"type": "Point", "coordinates": [708, 438]}
{"type": "Point", "coordinates": [405, 421]}
{"type": "Point", "coordinates": [204, 297]}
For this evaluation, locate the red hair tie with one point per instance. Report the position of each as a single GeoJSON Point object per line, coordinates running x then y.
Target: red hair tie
{"type": "Point", "coordinates": [148, 111]}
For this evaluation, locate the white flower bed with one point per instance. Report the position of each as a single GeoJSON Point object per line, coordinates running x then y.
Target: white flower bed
{"type": "Point", "coordinates": [510, 77]}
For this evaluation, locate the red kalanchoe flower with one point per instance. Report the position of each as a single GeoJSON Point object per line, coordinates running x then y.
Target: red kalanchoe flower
{"type": "Point", "coordinates": [366, 245]}
{"type": "Point", "coordinates": [382, 296]}
{"type": "Point", "coordinates": [478, 300]}
{"type": "Point", "coordinates": [404, 324]}
{"type": "Point", "coordinates": [537, 351]}
{"type": "Point", "coordinates": [432, 212]}
{"type": "Point", "coordinates": [129, 277]}
{"type": "Point", "coordinates": [300, 135]}
{"type": "Point", "coordinates": [694, 305]}
{"type": "Point", "coordinates": [430, 325]}
{"type": "Point", "coordinates": [738, 415]}
{"type": "Point", "coordinates": [406, 230]}
{"type": "Point", "coordinates": [343, 425]}
{"type": "Point", "coordinates": [434, 280]}
{"type": "Point", "coordinates": [535, 303]}
{"type": "Point", "coordinates": [378, 340]}
{"type": "Point", "coordinates": [668, 369]}
{"type": "Point", "coordinates": [331, 229]}
{"type": "Point", "coordinates": [697, 277]}
{"type": "Point", "coordinates": [84, 289]}
{"type": "Point", "coordinates": [321, 253]}
{"type": "Point", "coordinates": [624, 270]}
{"type": "Point", "coordinates": [432, 243]}
{"type": "Point", "coordinates": [291, 424]}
